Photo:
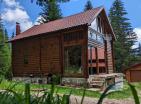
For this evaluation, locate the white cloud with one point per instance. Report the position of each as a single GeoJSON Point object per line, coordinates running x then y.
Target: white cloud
{"type": "Point", "coordinates": [37, 20]}
{"type": "Point", "coordinates": [14, 12]}
{"type": "Point", "coordinates": [11, 3]}
{"type": "Point", "coordinates": [138, 32]}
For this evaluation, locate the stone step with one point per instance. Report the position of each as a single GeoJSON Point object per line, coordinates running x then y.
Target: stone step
{"type": "Point", "coordinates": [97, 79]}
{"type": "Point", "coordinates": [97, 83]}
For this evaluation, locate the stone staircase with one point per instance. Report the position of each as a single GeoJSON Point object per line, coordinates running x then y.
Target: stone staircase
{"type": "Point", "coordinates": [96, 81]}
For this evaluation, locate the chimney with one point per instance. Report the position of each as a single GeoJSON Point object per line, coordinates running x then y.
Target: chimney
{"type": "Point", "coordinates": [18, 29]}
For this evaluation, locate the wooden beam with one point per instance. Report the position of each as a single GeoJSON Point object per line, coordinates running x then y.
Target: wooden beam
{"type": "Point", "coordinates": [61, 53]}
{"type": "Point", "coordinates": [97, 61]}
{"type": "Point", "coordinates": [113, 58]}
{"type": "Point", "coordinates": [40, 57]}
{"type": "Point", "coordinates": [85, 33]}
{"type": "Point", "coordinates": [91, 60]}
{"type": "Point", "coordinates": [106, 59]}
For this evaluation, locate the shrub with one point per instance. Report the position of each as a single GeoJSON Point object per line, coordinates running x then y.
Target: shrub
{"type": "Point", "coordinates": [56, 79]}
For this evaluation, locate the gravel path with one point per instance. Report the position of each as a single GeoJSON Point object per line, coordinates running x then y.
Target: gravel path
{"type": "Point", "coordinates": [88, 100]}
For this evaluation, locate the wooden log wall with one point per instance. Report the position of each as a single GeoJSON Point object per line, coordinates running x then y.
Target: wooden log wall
{"type": "Point", "coordinates": [44, 54]}
{"type": "Point", "coordinates": [109, 57]}
{"type": "Point", "coordinates": [21, 49]}
{"type": "Point", "coordinates": [50, 55]}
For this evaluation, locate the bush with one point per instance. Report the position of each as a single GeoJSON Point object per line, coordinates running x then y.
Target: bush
{"type": "Point", "coordinates": [56, 79]}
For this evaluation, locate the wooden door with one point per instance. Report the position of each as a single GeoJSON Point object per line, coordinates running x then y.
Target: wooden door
{"type": "Point", "coordinates": [135, 75]}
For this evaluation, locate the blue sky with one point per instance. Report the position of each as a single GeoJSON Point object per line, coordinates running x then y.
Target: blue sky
{"type": "Point", "coordinates": [27, 13]}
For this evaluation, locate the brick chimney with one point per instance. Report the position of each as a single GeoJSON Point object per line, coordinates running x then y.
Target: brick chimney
{"type": "Point", "coordinates": [18, 29]}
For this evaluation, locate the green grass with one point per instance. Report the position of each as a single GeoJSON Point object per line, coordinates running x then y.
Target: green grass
{"type": "Point", "coordinates": [137, 85]}
{"type": "Point", "coordinates": [19, 87]}
{"type": "Point", "coordinates": [120, 94]}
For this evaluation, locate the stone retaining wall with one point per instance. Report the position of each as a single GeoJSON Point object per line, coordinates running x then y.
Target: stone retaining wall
{"type": "Point", "coordinates": [30, 80]}
{"type": "Point", "coordinates": [74, 81]}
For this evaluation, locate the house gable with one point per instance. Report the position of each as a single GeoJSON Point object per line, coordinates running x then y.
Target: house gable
{"type": "Point", "coordinates": [102, 25]}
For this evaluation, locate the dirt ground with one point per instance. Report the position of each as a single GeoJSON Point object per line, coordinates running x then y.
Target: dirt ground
{"type": "Point", "coordinates": [88, 100]}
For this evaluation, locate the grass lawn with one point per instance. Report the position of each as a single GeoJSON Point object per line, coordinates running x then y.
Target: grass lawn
{"type": "Point", "coordinates": [19, 87]}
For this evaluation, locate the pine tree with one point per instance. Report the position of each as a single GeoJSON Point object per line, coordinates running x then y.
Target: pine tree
{"type": "Point", "coordinates": [139, 49]}
{"type": "Point", "coordinates": [124, 34]}
{"type": "Point", "coordinates": [88, 5]}
{"type": "Point", "coordinates": [50, 12]}
{"type": "Point", "coordinates": [13, 34]}
{"type": "Point", "coordinates": [41, 2]}
{"type": "Point", "coordinates": [5, 57]}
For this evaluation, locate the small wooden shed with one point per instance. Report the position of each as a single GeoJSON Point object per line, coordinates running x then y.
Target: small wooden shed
{"type": "Point", "coordinates": [133, 73]}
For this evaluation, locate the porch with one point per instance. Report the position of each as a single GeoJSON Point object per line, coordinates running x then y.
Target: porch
{"type": "Point", "coordinates": [102, 81]}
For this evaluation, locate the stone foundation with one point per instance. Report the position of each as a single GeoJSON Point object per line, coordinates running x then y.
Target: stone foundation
{"type": "Point", "coordinates": [64, 81]}
{"type": "Point", "coordinates": [30, 80]}
{"type": "Point", "coordinates": [74, 81]}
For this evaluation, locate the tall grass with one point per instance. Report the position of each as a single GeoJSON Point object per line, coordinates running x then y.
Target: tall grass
{"type": "Point", "coordinates": [9, 96]}
{"type": "Point", "coordinates": [27, 96]}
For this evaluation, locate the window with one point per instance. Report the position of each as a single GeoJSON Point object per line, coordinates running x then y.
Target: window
{"type": "Point", "coordinates": [101, 60]}
{"type": "Point", "coordinates": [100, 39]}
{"type": "Point", "coordinates": [72, 59]}
{"type": "Point", "coordinates": [92, 70]}
{"type": "Point", "coordinates": [92, 35]}
{"type": "Point", "coordinates": [99, 22]}
{"type": "Point", "coordinates": [93, 61]}
{"type": "Point", "coordinates": [102, 70]}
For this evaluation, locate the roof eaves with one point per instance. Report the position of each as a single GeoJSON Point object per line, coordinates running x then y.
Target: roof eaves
{"type": "Point", "coordinates": [110, 25]}
{"type": "Point", "coordinates": [132, 66]}
{"type": "Point", "coordinates": [45, 33]}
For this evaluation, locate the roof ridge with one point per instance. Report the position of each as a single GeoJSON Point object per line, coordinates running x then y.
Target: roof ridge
{"type": "Point", "coordinates": [83, 12]}
{"type": "Point", "coordinates": [77, 19]}
{"type": "Point", "coordinates": [71, 15]}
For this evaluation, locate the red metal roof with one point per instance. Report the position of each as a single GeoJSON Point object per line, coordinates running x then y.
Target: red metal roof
{"type": "Point", "coordinates": [135, 65]}
{"type": "Point", "coordinates": [64, 23]}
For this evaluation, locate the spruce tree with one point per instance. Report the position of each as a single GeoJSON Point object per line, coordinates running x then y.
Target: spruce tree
{"type": "Point", "coordinates": [88, 5]}
{"type": "Point", "coordinates": [139, 49]}
{"type": "Point", "coordinates": [13, 34]}
{"type": "Point", "coordinates": [5, 57]}
{"type": "Point", "coordinates": [41, 2]}
{"type": "Point", "coordinates": [124, 34]}
{"type": "Point", "coordinates": [50, 12]}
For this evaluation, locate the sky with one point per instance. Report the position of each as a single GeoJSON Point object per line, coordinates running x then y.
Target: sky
{"type": "Point", "coordinates": [27, 13]}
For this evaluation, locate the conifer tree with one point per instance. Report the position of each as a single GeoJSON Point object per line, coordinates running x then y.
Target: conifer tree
{"type": "Point", "coordinates": [50, 12]}
{"type": "Point", "coordinates": [41, 2]}
{"type": "Point", "coordinates": [13, 34]}
{"type": "Point", "coordinates": [124, 34]}
{"type": "Point", "coordinates": [88, 5]}
{"type": "Point", "coordinates": [5, 57]}
{"type": "Point", "coordinates": [6, 35]}
{"type": "Point", "coordinates": [139, 49]}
